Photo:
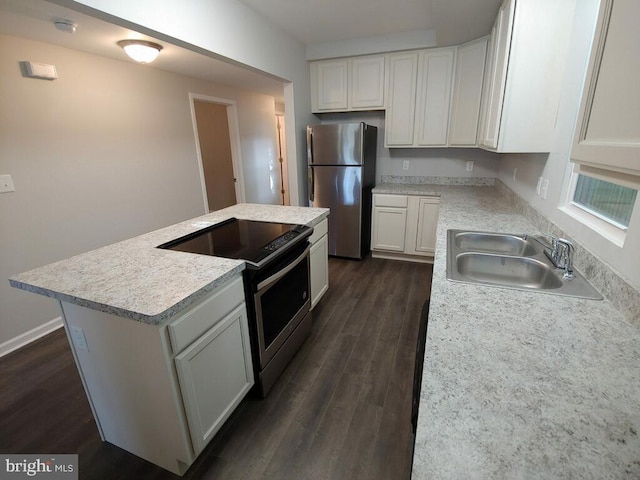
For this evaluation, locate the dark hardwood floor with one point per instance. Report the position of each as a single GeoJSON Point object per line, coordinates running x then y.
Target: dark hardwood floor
{"type": "Point", "coordinates": [341, 410]}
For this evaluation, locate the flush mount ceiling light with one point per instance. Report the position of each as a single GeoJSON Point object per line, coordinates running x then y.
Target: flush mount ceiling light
{"type": "Point", "coordinates": [141, 51]}
{"type": "Point", "coordinates": [65, 25]}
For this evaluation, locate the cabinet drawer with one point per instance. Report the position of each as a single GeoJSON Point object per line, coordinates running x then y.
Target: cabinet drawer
{"type": "Point", "coordinates": [205, 315]}
{"type": "Point", "coordinates": [319, 231]}
{"type": "Point", "coordinates": [384, 200]}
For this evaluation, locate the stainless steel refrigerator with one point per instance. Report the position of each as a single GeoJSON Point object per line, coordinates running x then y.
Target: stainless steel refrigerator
{"type": "Point", "coordinates": [342, 172]}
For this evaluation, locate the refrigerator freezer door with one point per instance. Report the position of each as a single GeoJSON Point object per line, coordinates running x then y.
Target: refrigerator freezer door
{"type": "Point", "coordinates": [340, 189]}
{"type": "Point", "coordinates": [339, 144]}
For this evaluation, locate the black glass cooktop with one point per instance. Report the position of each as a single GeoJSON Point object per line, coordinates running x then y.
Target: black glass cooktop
{"type": "Point", "coordinates": [248, 240]}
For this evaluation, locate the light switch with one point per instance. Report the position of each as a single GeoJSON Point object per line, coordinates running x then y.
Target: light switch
{"type": "Point", "coordinates": [6, 184]}
{"type": "Point", "coordinates": [544, 188]}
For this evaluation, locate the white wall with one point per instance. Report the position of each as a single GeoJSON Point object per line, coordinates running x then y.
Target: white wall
{"type": "Point", "coordinates": [555, 166]}
{"type": "Point", "coordinates": [423, 162]}
{"type": "Point", "coordinates": [259, 149]}
{"type": "Point", "coordinates": [231, 30]}
{"type": "Point", "coordinates": [103, 153]}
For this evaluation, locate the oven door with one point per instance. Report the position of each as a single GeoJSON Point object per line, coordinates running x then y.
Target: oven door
{"type": "Point", "coordinates": [282, 299]}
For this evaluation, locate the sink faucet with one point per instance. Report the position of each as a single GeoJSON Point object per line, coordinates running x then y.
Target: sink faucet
{"type": "Point", "coordinates": [559, 251]}
{"type": "Point", "coordinates": [562, 256]}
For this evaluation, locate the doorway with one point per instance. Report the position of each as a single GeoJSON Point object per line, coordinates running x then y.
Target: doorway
{"type": "Point", "coordinates": [282, 159]}
{"type": "Point", "coordinates": [216, 133]}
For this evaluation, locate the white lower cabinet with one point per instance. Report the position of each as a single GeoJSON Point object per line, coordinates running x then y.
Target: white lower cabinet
{"type": "Point", "coordinates": [389, 223]}
{"type": "Point", "coordinates": [404, 226]}
{"type": "Point", "coordinates": [425, 234]}
{"type": "Point", "coordinates": [161, 392]}
{"type": "Point", "coordinates": [319, 262]}
{"type": "Point", "coordinates": [215, 373]}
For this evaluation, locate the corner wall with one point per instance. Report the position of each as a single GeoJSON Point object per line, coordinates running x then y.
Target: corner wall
{"type": "Point", "coordinates": [228, 30]}
{"type": "Point", "coordinates": [555, 165]}
{"type": "Point", "coordinates": [103, 153]}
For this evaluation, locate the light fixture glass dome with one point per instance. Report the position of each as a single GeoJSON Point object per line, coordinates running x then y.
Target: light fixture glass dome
{"type": "Point", "coordinates": [140, 50]}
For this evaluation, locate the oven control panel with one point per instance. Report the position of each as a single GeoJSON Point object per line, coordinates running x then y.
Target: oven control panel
{"type": "Point", "coordinates": [281, 240]}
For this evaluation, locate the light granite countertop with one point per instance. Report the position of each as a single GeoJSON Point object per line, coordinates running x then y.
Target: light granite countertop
{"type": "Point", "coordinates": [136, 280]}
{"type": "Point", "coordinates": [520, 385]}
{"type": "Point", "coordinates": [407, 189]}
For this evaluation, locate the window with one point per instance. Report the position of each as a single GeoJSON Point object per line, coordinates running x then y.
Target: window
{"type": "Point", "coordinates": [607, 201]}
{"type": "Point", "coordinates": [603, 201]}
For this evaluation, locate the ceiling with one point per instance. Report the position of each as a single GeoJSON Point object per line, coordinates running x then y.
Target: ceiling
{"type": "Point", "coordinates": [314, 21]}
{"type": "Point", "coordinates": [33, 19]}
{"type": "Point", "coordinates": [309, 21]}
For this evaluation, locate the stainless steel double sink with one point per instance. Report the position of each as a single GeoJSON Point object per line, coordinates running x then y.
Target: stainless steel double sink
{"type": "Point", "coordinates": [509, 261]}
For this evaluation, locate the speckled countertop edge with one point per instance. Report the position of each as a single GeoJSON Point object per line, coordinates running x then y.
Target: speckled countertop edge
{"type": "Point", "coordinates": [136, 280]}
{"type": "Point", "coordinates": [520, 385]}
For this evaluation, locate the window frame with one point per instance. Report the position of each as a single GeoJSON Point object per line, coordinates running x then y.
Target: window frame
{"type": "Point", "coordinates": [608, 228]}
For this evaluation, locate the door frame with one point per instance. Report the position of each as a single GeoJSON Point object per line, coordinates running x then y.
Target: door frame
{"type": "Point", "coordinates": [234, 140]}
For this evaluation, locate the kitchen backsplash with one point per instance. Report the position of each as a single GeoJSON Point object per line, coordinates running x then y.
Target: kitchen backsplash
{"type": "Point", "coordinates": [416, 180]}
{"type": "Point", "coordinates": [623, 296]}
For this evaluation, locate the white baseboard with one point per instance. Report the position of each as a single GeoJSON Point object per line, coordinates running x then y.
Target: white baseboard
{"type": "Point", "coordinates": [30, 336]}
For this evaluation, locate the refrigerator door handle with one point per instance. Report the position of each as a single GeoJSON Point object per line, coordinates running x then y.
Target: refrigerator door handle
{"type": "Point", "coordinates": [309, 145]}
{"type": "Point", "coordinates": [311, 183]}
{"type": "Point", "coordinates": [310, 162]}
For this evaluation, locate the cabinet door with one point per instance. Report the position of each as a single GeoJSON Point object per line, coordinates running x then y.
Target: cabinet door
{"type": "Point", "coordinates": [467, 92]}
{"type": "Point", "coordinates": [388, 230]}
{"type": "Point", "coordinates": [433, 100]}
{"type": "Point", "coordinates": [319, 259]}
{"type": "Point", "coordinates": [608, 128]}
{"type": "Point", "coordinates": [366, 83]}
{"type": "Point", "coordinates": [497, 74]}
{"type": "Point", "coordinates": [330, 82]}
{"type": "Point", "coordinates": [215, 373]}
{"type": "Point", "coordinates": [427, 223]}
{"type": "Point", "coordinates": [399, 119]}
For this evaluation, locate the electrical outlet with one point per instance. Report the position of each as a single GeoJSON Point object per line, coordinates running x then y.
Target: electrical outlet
{"type": "Point", "coordinates": [79, 340]}
{"type": "Point", "coordinates": [545, 188]}
{"type": "Point", "coordinates": [539, 186]}
{"type": "Point", "coordinates": [470, 166]}
{"type": "Point", "coordinates": [405, 165]}
{"type": "Point", "coordinates": [6, 184]}
{"type": "Point", "coordinates": [515, 171]}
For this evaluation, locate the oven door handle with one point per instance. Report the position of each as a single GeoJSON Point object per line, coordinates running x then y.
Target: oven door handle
{"type": "Point", "coordinates": [277, 276]}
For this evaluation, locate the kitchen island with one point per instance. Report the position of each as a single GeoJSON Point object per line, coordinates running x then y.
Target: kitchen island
{"type": "Point", "coordinates": [520, 385]}
{"type": "Point", "coordinates": [134, 279]}
{"type": "Point", "coordinates": [161, 337]}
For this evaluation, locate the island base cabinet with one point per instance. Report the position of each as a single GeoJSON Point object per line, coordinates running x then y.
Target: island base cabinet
{"type": "Point", "coordinates": [215, 374]}
{"type": "Point", "coordinates": [319, 262]}
{"type": "Point", "coordinates": [130, 383]}
{"type": "Point", "coordinates": [130, 374]}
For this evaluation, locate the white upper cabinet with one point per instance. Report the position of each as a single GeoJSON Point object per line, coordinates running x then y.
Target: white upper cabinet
{"type": "Point", "coordinates": [329, 85]}
{"type": "Point", "coordinates": [348, 84]}
{"type": "Point", "coordinates": [419, 98]}
{"type": "Point", "coordinates": [433, 100]}
{"type": "Point", "coordinates": [525, 72]}
{"type": "Point", "coordinates": [399, 119]}
{"type": "Point", "coordinates": [608, 129]}
{"type": "Point", "coordinates": [366, 83]}
{"type": "Point", "coordinates": [467, 93]}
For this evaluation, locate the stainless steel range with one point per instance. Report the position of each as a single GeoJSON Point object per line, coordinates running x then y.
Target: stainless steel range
{"type": "Point", "coordinates": [276, 282]}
